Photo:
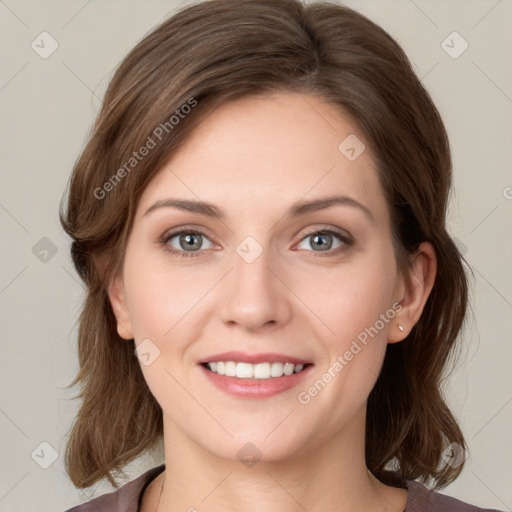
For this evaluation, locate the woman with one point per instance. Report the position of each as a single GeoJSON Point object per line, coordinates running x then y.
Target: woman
{"type": "Point", "coordinates": [259, 218]}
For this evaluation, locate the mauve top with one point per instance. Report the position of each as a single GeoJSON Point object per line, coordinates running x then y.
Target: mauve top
{"type": "Point", "coordinates": [129, 496]}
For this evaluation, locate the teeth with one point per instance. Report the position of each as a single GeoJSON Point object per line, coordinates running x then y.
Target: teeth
{"type": "Point", "coordinates": [256, 371]}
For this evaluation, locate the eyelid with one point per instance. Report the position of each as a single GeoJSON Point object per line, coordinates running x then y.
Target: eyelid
{"type": "Point", "coordinates": [342, 233]}
{"type": "Point", "coordinates": [172, 232]}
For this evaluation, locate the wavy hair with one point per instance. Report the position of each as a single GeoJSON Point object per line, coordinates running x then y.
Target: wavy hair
{"type": "Point", "coordinates": [203, 56]}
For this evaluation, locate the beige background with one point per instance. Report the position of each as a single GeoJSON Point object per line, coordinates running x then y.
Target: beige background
{"type": "Point", "coordinates": [47, 106]}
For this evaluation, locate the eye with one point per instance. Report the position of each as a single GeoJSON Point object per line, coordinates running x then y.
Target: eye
{"type": "Point", "coordinates": [189, 242]}
{"type": "Point", "coordinates": [323, 240]}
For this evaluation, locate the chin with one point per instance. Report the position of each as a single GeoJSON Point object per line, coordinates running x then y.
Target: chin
{"type": "Point", "coordinates": [258, 448]}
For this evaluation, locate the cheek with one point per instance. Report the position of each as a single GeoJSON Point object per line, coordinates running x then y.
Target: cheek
{"type": "Point", "coordinates": [160, 302]}
{"type": "Point", "coordinates": [160, 295]}
{"type": "Point", "coordinates": [351, 300]}
{"type": "Point", "coordinates": [148, 305]}
{"type": "Point", "coordinates": [356, 341]}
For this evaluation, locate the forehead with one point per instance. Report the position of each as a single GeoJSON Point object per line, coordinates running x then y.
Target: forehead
{"type": "Point", "coordinates": [270, 152]}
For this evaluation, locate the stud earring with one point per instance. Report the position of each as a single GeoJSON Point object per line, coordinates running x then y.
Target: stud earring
{"type": "Point", "coordinates": [401, 327]}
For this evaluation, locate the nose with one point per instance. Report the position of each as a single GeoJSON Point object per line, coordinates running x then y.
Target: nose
{"type": "Point", "coordinates": [254, 294]}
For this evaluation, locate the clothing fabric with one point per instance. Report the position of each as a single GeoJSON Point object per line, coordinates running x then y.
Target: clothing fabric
{"type": "Point", "coordinates": [128, 498]}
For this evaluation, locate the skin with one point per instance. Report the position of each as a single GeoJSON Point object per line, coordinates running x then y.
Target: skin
{"type": "Point", "coordinates": [254, 158]}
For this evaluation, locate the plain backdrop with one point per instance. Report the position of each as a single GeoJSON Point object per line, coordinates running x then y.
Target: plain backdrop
{"type": "Point", "coordinates": [47, 107]}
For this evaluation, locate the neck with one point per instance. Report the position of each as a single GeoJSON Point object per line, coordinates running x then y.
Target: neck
{"type": "Point", "coordinates": [329, 476]}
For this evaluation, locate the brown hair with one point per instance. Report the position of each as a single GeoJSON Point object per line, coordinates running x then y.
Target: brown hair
{"type": "Point", "coordinates": [221, 50]}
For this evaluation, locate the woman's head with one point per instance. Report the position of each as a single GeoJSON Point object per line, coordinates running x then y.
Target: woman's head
{"type": "Point", "coordinates": [256, 107]}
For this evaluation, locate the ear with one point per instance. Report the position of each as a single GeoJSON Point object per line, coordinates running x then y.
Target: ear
{"type": "Point", "coordinates": [117, 298]}
{"type": "Point", "coordinates": [415, 290]}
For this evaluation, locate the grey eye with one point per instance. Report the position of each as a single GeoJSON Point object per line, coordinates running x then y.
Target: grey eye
{"type": "Point", "coordinates": [188, 241]}
{"type": "Point", "coordinates": [321, 241]}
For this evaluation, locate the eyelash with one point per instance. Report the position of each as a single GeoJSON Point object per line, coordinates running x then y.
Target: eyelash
{"type": "Point", "coordinates": [164, 241]}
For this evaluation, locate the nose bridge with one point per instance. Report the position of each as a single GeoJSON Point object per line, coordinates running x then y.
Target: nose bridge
{"type": "Point", "coordinates": [251, 265]}
{"type": "Point", "coordinates": [254, 295]}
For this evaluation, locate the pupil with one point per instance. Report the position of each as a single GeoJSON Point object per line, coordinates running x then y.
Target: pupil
{"type": "Point", "coordinates": [317, 237]}
{"type": "Point", "coordinates": [189, 241]}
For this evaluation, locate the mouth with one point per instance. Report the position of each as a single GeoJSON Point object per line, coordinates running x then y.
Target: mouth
{"type": "Point", "coordinates": [264, 370]}
{"type": "Point", "coordinates": [255, 376]}
{"type": "Point", "coordinates": [259, 380]}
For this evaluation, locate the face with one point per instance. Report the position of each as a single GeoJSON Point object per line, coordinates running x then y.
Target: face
{"type": "Point", "coordinates": [260, 278]}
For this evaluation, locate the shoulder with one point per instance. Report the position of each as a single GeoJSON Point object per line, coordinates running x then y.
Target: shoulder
{"type": "Point", "coordinates": [422, 499]}
{"type": "Point", "coordinates": [125, 499]}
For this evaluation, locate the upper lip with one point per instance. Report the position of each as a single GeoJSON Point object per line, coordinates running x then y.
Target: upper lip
{"type": "Point", "coordinates": [243, 357]}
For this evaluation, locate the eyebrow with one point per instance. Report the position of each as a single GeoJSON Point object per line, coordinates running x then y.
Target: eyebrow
{"type": "Point", "coordinates": [296, 210]}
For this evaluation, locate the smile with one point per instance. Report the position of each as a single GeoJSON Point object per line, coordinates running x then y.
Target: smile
{"type": "Point", "coordinates": [253, 371]}
{"type": "Point", "coordinates": [264, 386]}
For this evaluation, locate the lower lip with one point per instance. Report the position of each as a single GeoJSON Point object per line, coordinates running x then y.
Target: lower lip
{"type": "Point", "coordinates": [255, 388]}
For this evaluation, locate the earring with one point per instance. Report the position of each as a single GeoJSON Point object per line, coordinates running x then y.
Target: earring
{"type": "Point", "coordinates": [401, 327]}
